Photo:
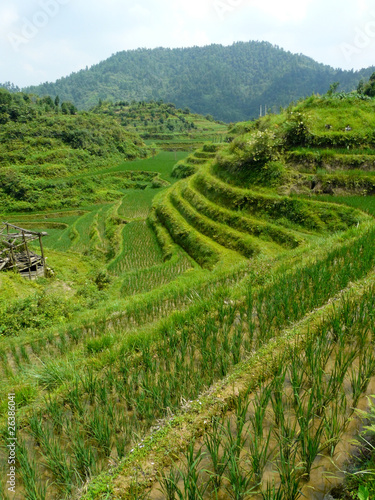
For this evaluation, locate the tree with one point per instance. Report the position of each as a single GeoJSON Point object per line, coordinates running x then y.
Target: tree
{"type": "Point", "coordinates": [57, 101]}
{"type": "Point", "coordinates": [369, 87]}
{"type": "Point", "coordinates": [333, 87]}
{"type": "Point", "coordinates": [68, 108]}
{"type": "Point", "coordinates": [48, 101]}
{"type": "Point", "coordinates": [361, 86]}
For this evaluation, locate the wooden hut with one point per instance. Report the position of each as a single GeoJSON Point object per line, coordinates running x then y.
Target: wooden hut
{"type": "Point", "coordinates": [16, 254]}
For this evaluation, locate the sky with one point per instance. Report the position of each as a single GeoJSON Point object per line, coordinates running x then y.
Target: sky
{"type": "Point", "coordinates": [43, 40]}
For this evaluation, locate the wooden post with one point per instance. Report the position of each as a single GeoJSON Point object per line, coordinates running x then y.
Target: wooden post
{"type": "Point", "coordinates": [43, 259]}
{"type": "Point", "coordinates": [28, 253]}
{"type": "Point", "coordinates": [12, 256]}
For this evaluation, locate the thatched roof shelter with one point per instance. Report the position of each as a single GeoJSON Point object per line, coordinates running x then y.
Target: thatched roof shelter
{"type": "Point", "coordinates": [16, 254]}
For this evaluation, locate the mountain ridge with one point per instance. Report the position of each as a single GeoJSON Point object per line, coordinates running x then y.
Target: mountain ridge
{"type": "Point", "coordinates": [228, 82]}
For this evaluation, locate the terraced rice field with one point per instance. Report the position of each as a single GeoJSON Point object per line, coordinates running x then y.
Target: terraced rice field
{"type": "Point", "coordinates": [227, 337]}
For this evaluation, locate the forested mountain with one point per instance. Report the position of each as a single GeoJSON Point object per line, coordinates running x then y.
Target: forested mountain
{"type": "Point", "coordinates": [229, 83]}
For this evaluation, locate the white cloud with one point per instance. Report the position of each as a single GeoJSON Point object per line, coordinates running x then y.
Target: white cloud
{"type": "Point", "coordinates": [8, 16]}
{"type": "Point", "coordinates": [87, 31]}
{"type": "Point", "coordinates": [139, 11]}
{"type": "Point", "coordinates": [194, 9]}
{"type": "Point", "coordinates": [285, 11]}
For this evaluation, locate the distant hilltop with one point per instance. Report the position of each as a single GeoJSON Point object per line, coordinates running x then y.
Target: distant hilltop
{"type": "Point", "coordinates": [230, 83]}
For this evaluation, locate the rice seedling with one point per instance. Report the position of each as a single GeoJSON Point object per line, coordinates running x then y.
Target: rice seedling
{"type": "Point", "coordinates": [56, 461]}
{"type": "Point", "coordinates": [289, 471]}
{"type": "Point", "coordinates": [241, 482]}
{"type": "Point", "coordinates": [55, 412]}
{"type": "Point", "coordinates": [218, 454]}
{"type": "Point", "coordinates": [36, 427]}
{"type": "Point", "coordinates": [360, 377]}
{"type": "Point", "coordinates": [296, 374]}
{"type": "Point", "coordinates": [272, 493]}
{"type": "Point", "coordinates": [90, 383]}
{"type": "Point", "coordinates": [98, 427]}
{"type": "Point", "coordinates": [261, 400]}
{"type": "Point", "coordinates": [74, 399]}
{"type": "Point", "coordinates": [169, 484]}
{"type": "Point", "coordinates": [194, 487]}
{"type": "Point", "coordinates": [335, 420]}
{"type": "Point", "coordinates": [310, 444]}
{"type": "Point", "coordinates": [122, 440]}
{"type": "Point", "coordinates": [83, 458]}
{"type": "Point", "coordinates": [24, 354]}
{"type": "Point", "coordinates": [259, 454]}
{"type": "Point", "coordinates": [16, 356]}
{"type": "Point", "coordinates": [34, 489]}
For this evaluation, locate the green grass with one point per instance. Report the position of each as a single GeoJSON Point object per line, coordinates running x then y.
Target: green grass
{"type": "Point", "coordinates": [364, 203]}
{"type": "Point", "coordinates": [162, 163]}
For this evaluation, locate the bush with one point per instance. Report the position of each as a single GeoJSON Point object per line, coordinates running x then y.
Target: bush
{"type": "Point", "coordinates": [296, 129]}
{"type": "Point", "coordinates": [251, 152]}
{"type": "Point", "coordinates": [182, 170]}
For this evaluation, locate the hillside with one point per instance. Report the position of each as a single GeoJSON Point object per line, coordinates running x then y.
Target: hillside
{"type": "Point", "coordinates": [208, 328]}
{"type": "Point", "coordinates": [229, 83]}
{"type": "Point", "coordinates": [49, 154]}
{"type": "Point", "coordinates": [163, 124]}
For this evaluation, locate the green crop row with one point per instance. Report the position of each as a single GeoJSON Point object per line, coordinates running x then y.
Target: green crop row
{"type": "Point", "coordinates": [210, 343]}
{"type": "Point", "coordinates": [220, 233]}
{"type": "Point", "coordinates": [259, 228]}
{"type": "Point", "coordinates": [293, 424]}
{"type": "Point", "coordinates": [199, 247]}
{"type": "Point", "coordinates": [124, 390]}
{"type": "Point", "coordinates": [306, 214]}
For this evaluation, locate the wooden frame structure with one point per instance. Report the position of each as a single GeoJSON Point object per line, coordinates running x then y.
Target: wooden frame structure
{"type": "Point", "coordinates": [15, 252]}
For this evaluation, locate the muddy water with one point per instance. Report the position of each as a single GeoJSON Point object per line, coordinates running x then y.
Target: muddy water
{"type": "Point", "coordinates": [326, 476]}
{"type": "Point", "coordinates": [326, 473]}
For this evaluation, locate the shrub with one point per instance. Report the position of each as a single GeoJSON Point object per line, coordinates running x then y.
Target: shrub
{"type": "Point", "coordinates": [296, 129]}
{"type": "Point", "coordinates": [251, 152]}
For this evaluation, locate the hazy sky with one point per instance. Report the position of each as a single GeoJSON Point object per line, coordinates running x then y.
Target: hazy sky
{"type": "Point", "coordinates": [42, 40]}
